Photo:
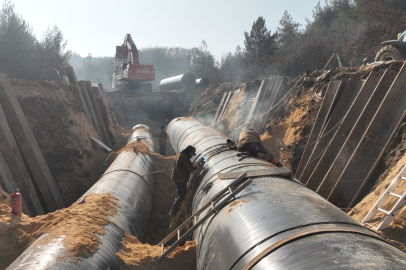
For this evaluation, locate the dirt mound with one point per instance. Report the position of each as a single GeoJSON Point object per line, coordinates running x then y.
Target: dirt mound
{"type": "Point", "coordinates": [137, 256]}
{"type": "Point", "coordinates": [79, 223]}
{"type": "Point", "coordinates": [4, 197]}
{"type": "Point", "coordinates": [63, 134]}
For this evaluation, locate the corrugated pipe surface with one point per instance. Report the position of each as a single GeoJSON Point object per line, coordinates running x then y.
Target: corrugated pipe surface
{"type": "Point", "coordinates": [123, 180]}
{"type": "Point", "coordinates": [275, 222]}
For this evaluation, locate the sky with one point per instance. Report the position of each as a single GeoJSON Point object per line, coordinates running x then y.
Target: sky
{"type": "Point", "coordinates": [96, 27]}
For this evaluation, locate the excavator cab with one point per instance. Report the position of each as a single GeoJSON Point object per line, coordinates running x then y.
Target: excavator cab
{"type": "Point", "coordinates": [133, 76]}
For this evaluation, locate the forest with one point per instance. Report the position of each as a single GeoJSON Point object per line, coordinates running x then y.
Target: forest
{"type": "Point", "coordinates": [355, 28]}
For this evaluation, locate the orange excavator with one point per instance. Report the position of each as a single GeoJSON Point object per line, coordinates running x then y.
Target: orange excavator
{"type": "Point", "coordinates": [132, 76]}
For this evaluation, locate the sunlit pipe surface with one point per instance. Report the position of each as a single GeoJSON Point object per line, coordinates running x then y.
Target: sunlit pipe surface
{"type": "Point", "coordinates": [273, 210]}
{"type": "Point", "coordinates": [178, 82]}
{"type": "Point", "coordinates": [124, 180]}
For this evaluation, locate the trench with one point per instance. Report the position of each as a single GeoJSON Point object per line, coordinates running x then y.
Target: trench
{"type": "Point", "coordinates": [229, 104]}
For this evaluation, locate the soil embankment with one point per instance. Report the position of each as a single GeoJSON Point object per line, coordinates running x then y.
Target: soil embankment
{"type": "Point", "coordinates": [63, 134]}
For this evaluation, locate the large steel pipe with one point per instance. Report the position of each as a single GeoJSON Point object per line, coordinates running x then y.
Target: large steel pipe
{"type": "Point", "coordinates": [178, 82]}
{"type": "Point", "coordinates": [124, 180]}
{"type": "Point", "coordinates": [202, 83]}
{"type": "Point", "coordinates": [275, 222]}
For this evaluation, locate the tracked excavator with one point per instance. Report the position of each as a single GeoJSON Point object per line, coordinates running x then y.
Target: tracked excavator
{"type": "Point", "coordinates": [131, 77]}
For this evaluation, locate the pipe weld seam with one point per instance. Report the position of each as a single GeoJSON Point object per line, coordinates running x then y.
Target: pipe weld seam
{"type": "Point", "coordinates": [360, 228]}
{"type": "Point", "coordinates": [149, 187]}
{"type": "Point", "coordinates": [303, 234]}
{"type": "Point", "coordinates": [143, 138]}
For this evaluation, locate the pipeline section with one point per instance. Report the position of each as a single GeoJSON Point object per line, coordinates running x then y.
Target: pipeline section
{"type": "Point", "coordinates": [124, 180]}
{"type": "Point", "coordinates": [178, 82]}
{"type": "Point", "coordinates": [202, 83]}
{"type": "Point", "coordinates": [275, 222]}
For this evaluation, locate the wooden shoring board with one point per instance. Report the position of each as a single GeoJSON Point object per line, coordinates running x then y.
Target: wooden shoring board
{"type": "Point", "coordinates": [271, 102]}
{"type": "Point", "coordinates": [28, 145]}
{"type": "Point", "coordinates": [219, 108]}
{"type": "Point", "coordinates": [313, 174]}
{"type": "Point", "coordinates": [257, 100]}
{"type": "Point", "coordinates": [264, 105]}
{"type": "Point", "coordinates": [15, 164]}
{"type": "Point", "coordinates": [8, 183]}
{"type": "Point", "coordinates": [264, 102]}
{"type": "Point", "coordinates": [347, 140]}
{"type": "Point", "coordinates": [104, 107]}
{"type": "Point", "coordinates": [102, 125]}
{"type": "Point", "coordinates": [225, 106]}
{"type": "Point", "coordinates": [331, 157]}
{"type": "Point", "coordinates": [77, 90]}
{"type": "Point", "coordinates": [375, 141]}
{"type": "Point", "coordinates": [93, 120]}
{"type": "Point", "coordinates": [282, 91]}
{"type": "Point", "coordinates": [267, 92]}
{"type": "Point", "coordinates": [321, 119]}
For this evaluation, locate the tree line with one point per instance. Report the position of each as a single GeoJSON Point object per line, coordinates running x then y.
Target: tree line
{"type": "Point", "coordinates": [24, 56]}
{"type": "Point", "coordinates": [353, 27]}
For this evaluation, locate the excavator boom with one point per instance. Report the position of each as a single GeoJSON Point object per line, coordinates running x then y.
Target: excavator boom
{"type": "Point", "coordinates": [127, 47]}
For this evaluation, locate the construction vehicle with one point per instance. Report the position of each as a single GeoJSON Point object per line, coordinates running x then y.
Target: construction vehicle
{"type": "Point", "coordinates": [131, 76]}
{"type": "Point", "coordinates": [393, 49]}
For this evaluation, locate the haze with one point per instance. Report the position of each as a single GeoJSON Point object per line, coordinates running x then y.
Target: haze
{"type": "Point", "coordinates": [97, 26]}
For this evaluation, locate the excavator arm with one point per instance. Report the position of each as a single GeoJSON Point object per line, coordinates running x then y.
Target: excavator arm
{"type": "Point", "coordinates": [127, 47]}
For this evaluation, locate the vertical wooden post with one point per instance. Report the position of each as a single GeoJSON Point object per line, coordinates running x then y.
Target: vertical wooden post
{"type": "Point", "coordinates": [14, 163]}
{"type": "Point", "coordinates": [388, 117]}
{"type": "Point", "coordinates": [313, 174]}
{"type": "Point", "coordinates": [93, 119]}
{"type": "Point", "coordinates": [257, 101]}
{"type": "Point", "coordinates": [325, 107]}
{"type": "Point", "coordinates": [29, 147]}
{"type": "Point", "coordinates": [219, 109]}
{"type": "Point", "coordinates": [337, 154]}
{"type": "Point", "coordinates": [76, 89]}
{"type": "Point", "coordinates": [9, 184]}
{"type": "Point", "coordinates": [97, 111]}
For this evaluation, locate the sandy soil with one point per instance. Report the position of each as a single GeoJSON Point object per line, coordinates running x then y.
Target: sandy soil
{"type": "Point", "coordinates": [80, 223]}
{"type": "Point", "coordinates": [137, 256]}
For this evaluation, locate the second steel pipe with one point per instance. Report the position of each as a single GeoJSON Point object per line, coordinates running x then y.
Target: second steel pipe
{"type": "Point", "coordinates": [275, 222]}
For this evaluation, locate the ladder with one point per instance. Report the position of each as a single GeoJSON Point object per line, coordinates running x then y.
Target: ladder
{"type": "Point", "coordinates": [191, 185]}
{"type": "Point", "coordinates": [392, 213]}
{"type": "Point", "coordinates": [214, 206]}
